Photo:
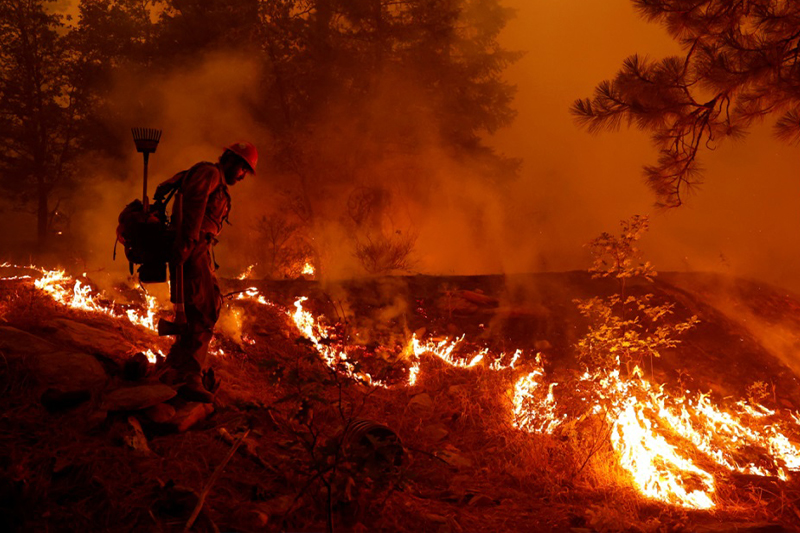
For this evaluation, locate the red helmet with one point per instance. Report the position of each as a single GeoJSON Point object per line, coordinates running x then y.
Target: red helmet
{"type": "Point", "coordinates": [247, 151]}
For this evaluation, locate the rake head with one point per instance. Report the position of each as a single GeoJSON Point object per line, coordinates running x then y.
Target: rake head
{"type": "Point", "coordinates": [146, 139]}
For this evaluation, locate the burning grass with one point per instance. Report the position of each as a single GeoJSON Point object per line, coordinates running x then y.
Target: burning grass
{"type": "Point", "coordinates": [499, 440]}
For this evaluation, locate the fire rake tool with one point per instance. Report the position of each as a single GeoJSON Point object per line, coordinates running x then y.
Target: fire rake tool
{"type": "Point", "coordinates": [146, 140]}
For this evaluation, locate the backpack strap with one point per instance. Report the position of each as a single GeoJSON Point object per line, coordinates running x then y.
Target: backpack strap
{"type": "Point", "coordinates": [167, 189]}
{"type": "Point", "coordinates": [172, 192]}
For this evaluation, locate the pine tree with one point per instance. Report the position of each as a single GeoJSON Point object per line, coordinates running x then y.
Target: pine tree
{"type": "Point", "coordinates": [741, 62]}
{"type": "Point", "coordinates": [42, 107]}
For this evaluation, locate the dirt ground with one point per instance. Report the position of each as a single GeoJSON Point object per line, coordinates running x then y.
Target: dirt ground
{"type": "Point", "coordinates": [316, 450]}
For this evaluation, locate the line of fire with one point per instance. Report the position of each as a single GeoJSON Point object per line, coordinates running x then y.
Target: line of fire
{"type": "Point", "coordinates": [268, 266]}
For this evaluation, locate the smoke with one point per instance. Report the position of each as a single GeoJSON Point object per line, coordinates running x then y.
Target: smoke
{"type": "Point", "coordinates": [200, 109]}
{"type": "Point", "coordinates": [572, 186]}
{"type": "Point", "coordinates": [455, 214]}
{"type": "Point", "coordinates": [742, 221]}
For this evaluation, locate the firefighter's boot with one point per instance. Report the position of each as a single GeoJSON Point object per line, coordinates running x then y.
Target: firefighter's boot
{"type": "Point", "coordinates": [194, 390]}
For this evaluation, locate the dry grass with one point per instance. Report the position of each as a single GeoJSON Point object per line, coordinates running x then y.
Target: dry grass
{"type": "Point", "coordinates": [65, 468]}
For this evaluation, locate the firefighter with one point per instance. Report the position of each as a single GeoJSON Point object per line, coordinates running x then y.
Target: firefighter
{"type": "Point", "coordinates": [206, 204]}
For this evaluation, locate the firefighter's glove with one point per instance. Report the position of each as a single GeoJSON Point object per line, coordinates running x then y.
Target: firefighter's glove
{"type": "Point", "coordinates": [181, 252]}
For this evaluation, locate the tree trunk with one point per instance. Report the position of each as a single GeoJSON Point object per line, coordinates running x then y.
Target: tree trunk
{"type": "Point", "coordinates": [380, 39]}
{"type": "Point", "coordinates": [42, 216]}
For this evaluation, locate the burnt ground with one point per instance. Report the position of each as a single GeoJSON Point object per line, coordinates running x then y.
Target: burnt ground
{"type": "Point", "coordinates": [317, 451]}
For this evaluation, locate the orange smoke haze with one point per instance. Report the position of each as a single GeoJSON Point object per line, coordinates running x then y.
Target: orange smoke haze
{"type": "Point", "coordinates": [572, 185]}
{"type": "Point", "coordinates": [744, 220]}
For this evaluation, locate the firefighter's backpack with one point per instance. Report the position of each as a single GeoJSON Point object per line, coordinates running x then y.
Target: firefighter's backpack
{"type": "Point", "coordinates": [146, 236]}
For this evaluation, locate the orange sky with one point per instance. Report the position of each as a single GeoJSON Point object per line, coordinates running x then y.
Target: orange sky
{"type": "Point", "coordinates": [744, 220]}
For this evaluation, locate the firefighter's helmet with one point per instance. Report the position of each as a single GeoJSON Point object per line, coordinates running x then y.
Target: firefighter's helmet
{"type": "Point", "coordinates": [247, 151]}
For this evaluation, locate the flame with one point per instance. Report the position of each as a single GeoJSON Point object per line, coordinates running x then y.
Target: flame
{"type": "Point", "coordinates": [335, 357]}
{"type": "Point", "coordinates": [442, 349]}
{"type": "Point", "coordinates": [252, 293]}
{"type": "Point", "coordinates": [672, 447]}
{"type": "Point", "coordinates": [148, 318]}
{"type": "Point", "coordinates": [652, 433]}
{"type": "Point", "coordinates": [657, 468]}
{"type": "Point", "coordinates": [247, 273]}
{"type": "Point", "coordinates": [308, 269]}
{"type": "Point", "coordinates": [531, 412]}
{"type": "Point", "coordinates": [152, 357]}
{"type": "Point", "coordinates": [77, 294]}
{"type": "Point", "coordinates": [413, 373]}
{"type": "Point", "coordinates": [498, 365]}
{"type": "Point", "coordinates": [12, 278]}
{"type": "Point", "coordinates": [56, 284]}
{"type": "Point", "coordinates": [217, 352]}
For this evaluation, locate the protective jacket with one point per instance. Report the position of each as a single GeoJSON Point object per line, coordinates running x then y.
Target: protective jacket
{"type": "Point", "coordinates": [206, 205]}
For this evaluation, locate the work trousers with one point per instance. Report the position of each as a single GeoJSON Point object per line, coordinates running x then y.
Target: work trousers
{"type": "Point", "coordinates": [202, 302]}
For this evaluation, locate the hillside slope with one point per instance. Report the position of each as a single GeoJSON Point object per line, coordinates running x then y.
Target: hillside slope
{"type": "Point", "coordinates": [90, 440]}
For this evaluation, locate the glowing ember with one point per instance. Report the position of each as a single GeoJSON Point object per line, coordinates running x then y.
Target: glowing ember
{"type": "Point", "coordinates": [308, 269]}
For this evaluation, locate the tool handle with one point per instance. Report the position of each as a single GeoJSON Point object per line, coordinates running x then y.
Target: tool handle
{"type": "Point", "coordinates": [177, 222]}
{"type": "Point", "coordinates": [145, 201]}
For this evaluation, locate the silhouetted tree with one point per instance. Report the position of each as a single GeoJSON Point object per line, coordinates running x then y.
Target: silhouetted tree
{"type": "Point", "coordinates": [187, 28]}
{"type": "Point", "coordinates": [346, 84]}
{"type": "Point", "coordinates": [42, 107]}
{"type": "Point", "coordinates": [361, 80]}
{"type": "Point", "coordinates": [741, 62]}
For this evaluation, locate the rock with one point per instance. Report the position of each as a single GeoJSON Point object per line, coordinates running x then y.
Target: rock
{"type": "Point", "coordinates": [139, 397]}
{"type": "Point", "coordinates": [56, 400]}
{"type": "Point", "coordinates": [421, 401]}
{"type": "Point", "coordinates": [253, 519]}
{"type": "Point", "coordinates": [453, 458]}
{"type": "Point", "coordinates": [481, 500]}
{"type": "Point", "coordinates": [161, 413]}
{"type": "Point", "coordinates": [136, 439]}
{"type": "Point", "coordinates": [432, 517]}
{"type": "Point", "coordinates": [277, 506]}
{"type": "Point", "coordinates": [136, 367]}
{"type": "Point", "coordinates": [479, 298]}
{"type": "Point", "coordinates": [93, 340]}
{"type": "Point", "coordinates": [68, 371]}
{"type": "Point", "coordinates": [17, 344]}
{"type": "Point", "coordinates": [190, 414]}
